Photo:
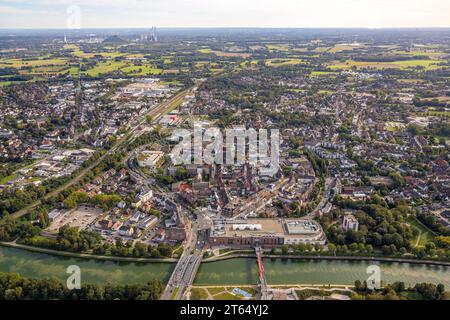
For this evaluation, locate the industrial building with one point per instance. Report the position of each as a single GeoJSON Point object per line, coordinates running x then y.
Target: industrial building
{"type": "Point", "coordinates": [265, 232]}
{"type": "Point", "coordinates": [148, 222]}
{"type": "Point", "coordinates": [150, 159]}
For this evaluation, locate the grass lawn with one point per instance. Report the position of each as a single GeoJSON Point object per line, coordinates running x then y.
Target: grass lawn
{"type": "Point", "coordinates": [343, 47]}
{"type": "Point", "coordinates": [205, 50]}
{"type": "Point", "coordinates": [226, 296]}
{"type": "Point", "coordinates": [394, 126]}
{"type": "Point", "coordinates": [427, 64]}
{"type": "Point", "coordinates": [321, 49]}
{"type": "Point", "coordinates": [174, 293]}
{"type": "Point", "coordinates": [73, 71]}
{"type": "Point", "coordinates": [201, 64]}
{"type": "Point", "coordinates": [282, 62]}
{"type": "Point", "coordinates": [278, 47]}
{"type": "Point", "coordinates": [251, 62]}
{"type": "Point", "coordinates": [140, 70]}
{"type": "Point", "coordinates": [215, 70]}
{"type": "Point", "coordinates": [173, 82]}
{"type": "Point", "coordinates": [125, 67]}
{"type": "Point", "coordinates": [325, 92]}
{"type": "Point", "coordinates": [216, 290]}
{"type": "Point", "coordinates": [69, 46]}
{"type": "Point", "coordinates": [19, 63]}
{"type": "Point", "coordinates": [296, 90]}
{"type": "Point", "coordinates": [222, 251]}
{"type": "Point", "coordinates": [6, 179]}
{"type": "Point", "coordinates": [424, 233]}
{"type": "Point", "coordinates": [431, 54]}
{"type": "Point", "coordinates": [106, 67]}
{"type": "Point", "coordinates": [198, 294]}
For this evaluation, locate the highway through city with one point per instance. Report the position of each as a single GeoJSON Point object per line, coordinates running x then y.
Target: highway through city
{"type": "Point", "coordinates": [184, 273]}
{"type": "Point", "coordinates": [186, 269]}
{"type": "Point", "coordinates": [187, 266]}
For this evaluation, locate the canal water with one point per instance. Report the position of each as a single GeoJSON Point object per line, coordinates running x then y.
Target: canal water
{"type": "Point", "coordinates": [291, 271]}
{"type": "Point", "coordinates": [226, 272]}
{"type": "Point", "coordinates": [40, 265]}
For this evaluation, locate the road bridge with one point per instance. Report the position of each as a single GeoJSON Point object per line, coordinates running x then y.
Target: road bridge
{"type": "Point", "coordinates": [184, 273]}
{"type": "Point", "coordinates": [262, 277]}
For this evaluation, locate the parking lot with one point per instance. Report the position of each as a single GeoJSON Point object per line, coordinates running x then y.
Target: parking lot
{"type": "Point", "coordinates": [80, 218]}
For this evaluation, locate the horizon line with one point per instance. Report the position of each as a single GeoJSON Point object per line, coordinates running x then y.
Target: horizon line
{"type": "Point", "coordinates": [218, 27]}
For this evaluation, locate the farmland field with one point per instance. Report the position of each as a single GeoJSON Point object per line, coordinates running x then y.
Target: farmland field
{"type": "Point", "coordinates": [282, 62]}
{"type": "Point", "coordinates": [401, 64]}
{"type": "Point", "coordinates": [278, 47]}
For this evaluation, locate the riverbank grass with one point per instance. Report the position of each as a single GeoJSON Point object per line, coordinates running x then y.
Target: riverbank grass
{"type": "Point", "coordinates": [226, 296]}
{"type": "Point", "coordinates": [411, 295]}
{"type": "Point", "coordinates": [423, 236]}
{"type": "Point", "coordinates": [198, 294]}
{"type": "Point", "coordinates": [220, 293]}
{"type": "Point", "coordinates": [215, 290]}
{"type": "Point", "coordinates": [174, 294]}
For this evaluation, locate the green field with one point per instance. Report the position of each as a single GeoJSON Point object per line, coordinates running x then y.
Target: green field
{"type": "Point", "coordinates": [278, 47]}
{"type": "Point", "coordinates": [343, 47]}
{"type": "Point", "coordinates": [324, 73]}
{"type": "Point", "coordinates": [105, 67]}
{"type": "Point", "coordinates": [198, 294]}
{"type": "Point", "coordinates": [296, 90]}
{"type": "Point", "coordinates": [41, 67]}
{"type": "Point", "coordinates": [226, 296]}
{"type": "Point", "coordinates": [219, 293]}
{"type": "Point", "coordinates": [205, 50]}
{"type": "Point", "coordinates": [124, 67]}
{"type": "Point", "coordinates": [215, 290]}
{"type": "Point", "coordinates": [6, 179]}
{"type": "Point", "coordinates": [38, 69]}
{"type": "Point", "coordinates": [282, 62]}
{"type": "Point", "coordinates": [440, 114]}
{"type": "Point", "coordinates": [427, 64]}
{"type": "Point", "coordinates": [424, 236]}
{"type": "Point", "coordinates": [431, 54]}
{"type": "Point", "coordinates": [174, 293]}
{"type": "Point", "coordinates": [394, 126]}
{"type": "Point", "coordinates": [20, 63]}
{"type": "Point", "coordinates": [140, 70]}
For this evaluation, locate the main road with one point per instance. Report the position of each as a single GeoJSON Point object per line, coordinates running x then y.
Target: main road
{"type": "Point", "coordinates": [184, 273]}
{"type": "Point", "coordinates": [324, 200]}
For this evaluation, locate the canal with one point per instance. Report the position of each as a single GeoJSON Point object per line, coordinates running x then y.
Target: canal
{"type": "Point", "coordinates": [291, 271]}
{"type": "Point", "coordinates": [226, 272]}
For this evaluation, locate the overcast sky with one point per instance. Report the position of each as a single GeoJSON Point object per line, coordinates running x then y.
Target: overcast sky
{"type": "Point", "coordinates": [224, 13]}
